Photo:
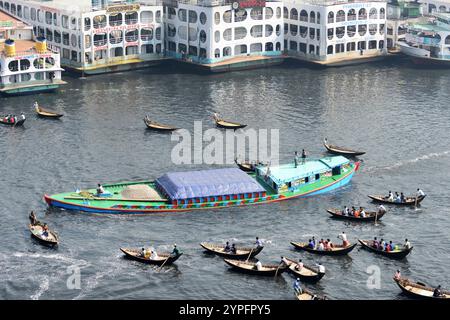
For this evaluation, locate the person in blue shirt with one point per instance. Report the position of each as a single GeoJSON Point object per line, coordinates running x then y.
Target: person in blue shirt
{"type": "Point", "coordinates": [298, 287]}
{"type": "Point", "coordinates": [311, 244]}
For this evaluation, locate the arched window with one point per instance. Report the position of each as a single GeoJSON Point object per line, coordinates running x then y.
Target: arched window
{"type": "Point", "coordinates": [340, 32]}
{"type": "Point", "coordinates": [382, 13]}
{"type": "Point", "coordinates": [331, 18]}
{"type": "Point", "coordinates": [227, 51]}
{"type": "Point", "coordinates": [268, 30]}
{"type": "Point", "coordinates": [182, 15]}
{"type": "Point", "coordinates": [269, 13]}
{"type": "Point", "coordinates": [217, 36]}
{"type": "Point", "coordinates": [294, 14]}
{"type": "Point", "coordinates": [227, 16]}
{"type": "Point", "coordinates": [304, 16]}
{"type": "Point", "coordinates": [240, 33]}
{"type": "Point", "coordinates": [294, 29]}
{"type": "Point", "coordinates": [203, 18]}
{"type": "Point", "coordinates": [431, 8]}
{"type": "Point", "coordinates": [351, 15]}
{"type": "Point", "coordinates": [373, 13]}
{"type": "Point", "coordinates": [256, 31]}
{"type": "Point", "coordinates": [217, 53]}
{"type": "Point", "coordinates": [340, 16]}
{"type": "Point", "coordinates": [312, 17]}
{"type": "Point", "coordinates": [373, 28]}
{"type": "Point", "coordinates": [240, 15]}
{"type": "Point", "coordinates": [217, 17]}
{"type": "Point", "coordinates": [330, 49]}
{"type": "Point", "coordinates": [256, 14]}
{"type": "Point", "coordinates": [330, 33]}
{"type": "Point", "coordinates": [227, 35]}
{"type": "Point", "coordinates": [447, 40]}
{"type": "Point", "coordinates": [269, 46]}
{"type": "Point", "coordinates": [278, 30]}
{"type": "Point", "coordinates": [202, 36]}
{"type": "Point", "coordinates": [362, 14]}
{"type": "Point", "coordinates": [351, 30]}
{"type": "Point", "coordinates": [285, 13]}
{"type": "Point", "coordinates": [362, 29]}
{"type": "Point", "coordinates": [442, 9]}
{"type": "Point", "coordinates": [278, 12]}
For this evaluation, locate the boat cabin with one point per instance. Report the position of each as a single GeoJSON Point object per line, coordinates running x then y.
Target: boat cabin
{"type": "Point", "coordinates": [288, 178]}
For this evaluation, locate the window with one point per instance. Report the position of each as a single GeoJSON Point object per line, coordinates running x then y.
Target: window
{"type": "Point", "coordinates": [312, 49]}
{"type": "Point", "coordinates": [240, 49]}
{"type": "Point", "coordinates": [340, 32]}
{"type": "Point", "coordinates": [182, 15]}
{"type": "Point", "coordinates": [147, 16]}
{"type": "Point", "coordinates": [293, 45]}
{"type": "Point", "coordinates": [294, 15]}
{"type": "Point", "coordinates": [362, 14]}
{"type": "Point", "coordinates": [317, 176]}
{"type": "Point", "coordinates": [33, 14]}
{"type": "Point", "coordinates": [362, 29]}
{"type": "Point", "coordinates": [240, 33]}
{"type": "Point", "coordinates": [312, 17]}
{"type": "Point", "coordinates": [312, 33]}
{"type": "Point", "coordinates": [330, 33]}
{"type": "Point", "coordinates": [158, 19]}
{"type": "Point", "coordinates": [318, 34]}
{"type": "Point", "coordinates": [171, 13]}
{"type": "Point", "coordinates": [351, 15]}
{"type": "Point", "coordinates": [256, 14]}
{"type": "Point", "coordinates": [269, 46]}
{"type": "Point", "coordinates": [382, 28]}
{"type": "Point", "coordinates": [303, 31]}
{"type": "Point", "coordinates": [373, 28]}
{"type": "Point", "coordinates": [202, 18]}
{"type": "Point", "coordinates": [318, 18]}
{"type": "Point", "coordinates": [304, 16]}
{"type": "Point", "coordinates": [382, 13]}
{"type": "Point", "coordinates": [256, 47]}
{"type": "Point", "coordinates": [340, 16]}
{"type": "Point", "coordinates": [192, 16]}
{"type": "Point", "coordinates": [294, 29]}
{"type": "Point", "coordinates": [285, 13]}
{"type": "Point", "coordinates": [331, 17]}
{"type": "Point", "coordinates": [278, 12]}
{"type": "Point", "coordinates": [202, 36]}
{"type": "Point", "coordinates": [115, 19]}
{"type": "Point", "coordinates": [361, 45]}
{"type": "Point", "coordinates": [217, 18]}
{"type": "Point", "coordinates": [330, 50]}
{"type": "Point", "coordinates": [131, 18]}
{"type": "Point", "coordinates": [339, 48]}
{"type": "Point", "coordinates": [373, 14]}
{"type": "Point", "coordinates": [227, 34]}
{"type": "Point", "coordinates": [217, 53]}
{"type": "Point", "coordinates": [286, 27]}
{"type": "Point", "coordinates": [381, 44]}
{"type": "Point", "coordinates": [302, 47]}
{"type": "Point", "coordinates": [351, 46]}
{"type": "Point", "coordinates": [48, 17]}
{"type": "Point", "coordinates": [227, 16]}
{"type": "Point", "coordinates": [240, 15]}
{"type": "Point", "coordinates": [351, 30]}
{"type": "Point", "coordinates": [268, 30]}
{"type": "Point", "coordinates": [269, 13]}
{"type": "Point", "coordinates": [171, 30]}
{"type": "Point", "coordinates": [278, 30]}
{"type": "Point", "coordinates": [227, 51]}
{"type": "Point", "coordinates": [158, 34]}
{"type": "Point", "coordinates": [373, 44]}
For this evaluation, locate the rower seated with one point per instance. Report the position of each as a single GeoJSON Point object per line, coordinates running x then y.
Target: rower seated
{"type": "Point", "coordinates": [311, 244]}
{"type": "Point", "coordinates": [437, 292]}
{"type": "Point", "coordinates": [258, 265]}
{"type": "Point", "coordinates": [227, 247]}
{"type": "Point", "coordinates": [175, 251]}
{"type": "Point", "coordinates": [101, 192]}
{"type": "Point", "coordinates": [299, 265]}
{"type": "Point", "coordinates": [407, 244]}
{"type": "Point", "coordinates": [45, 231]}
{"type": "Point", "coordinates": [233, 249]}
{"type": "Point", "coordinates": [153, 255]}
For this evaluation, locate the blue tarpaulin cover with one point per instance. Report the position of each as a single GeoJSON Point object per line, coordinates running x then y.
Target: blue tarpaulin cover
{"type": "Point", "coordinates": [205, 183]}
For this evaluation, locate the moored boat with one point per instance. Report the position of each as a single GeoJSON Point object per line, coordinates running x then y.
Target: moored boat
{"type": "Point", "coordinates": [370, 215]}
{"type": "Point", "coordinates": [394, 254]}
{"type": "Point", "coordinates": [221, 123]}
{"type": "Point", "coordinates": [419, 290]}
{"type": "Point", "coordinates": [409, 201]}
{"type": "Point", "coordinates": [306, 274]}
{"type": "Point", "coordinates": [241, 252]}
{"type": "Point", "coordinates": [228, 187]}
{"type": "Point", "coordinates": [337, 250]}
{"type": "Point", "coordinates": [37, 232]}
{"type": "Point", "coordinates": [163, 257]}
{"type": "Point", "coordinates": [158, 126]}
{"type": "Point", "coordinates": [250, 267]}
{"type": "Point", "coordinates": [45, 113]}
{"type": "Point", "coordinates": [340, 150]}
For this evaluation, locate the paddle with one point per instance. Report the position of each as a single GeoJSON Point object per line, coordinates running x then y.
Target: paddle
{"type": "Point", "coordinates": [276, 272]}
{"type": "Point", "coordinates": [163, 263]}
{"type": "Point", "coordinates": [249, 255]}
{"type": "Point", "coordinates": [415, 203]}
{"type": "Point", "coordinates": [376, 216]}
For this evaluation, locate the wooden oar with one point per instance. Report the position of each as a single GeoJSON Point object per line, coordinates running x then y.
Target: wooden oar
{"type": "Point", "coordinates": [376, 216]}
{"type": "Point", "coordinates": [164, 263]}
{"type": "Point", "coordinates": [276, 272]}
{"type": "Point", "coordinates": [249, 255]}
{"type": "Point", "coordinates": [415, 203]}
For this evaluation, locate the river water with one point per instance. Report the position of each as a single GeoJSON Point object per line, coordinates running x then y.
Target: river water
{"type": "Point", "coordinates": [397, 113]}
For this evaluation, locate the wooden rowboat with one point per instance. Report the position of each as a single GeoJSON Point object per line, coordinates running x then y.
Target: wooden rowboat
{"type": "Point", "coordinates": [158, 126]}
{"type": "Point", "coordinates": [163, 258]}
{"type": "Point", "coordinates": [221, 123]}
{"type": "Point", "coordinates": [370, 215]}
{"type": "Point", "coordinates": [409, 201]}
{"type": "Point", "coordinates": [36, 232]}
{"type": "Point", "coordinates": [340, 150]}
{"type": "Point", "coordinates": [395, 254]}
{"type": "Point", "coordinates": [419, 290]}
{"type": "Point", "coordinates": [337, 250]}
{"type": "Point", "coordinates": [241, 253]}
{"type": "Point", "coordinates": [47, 113]}
{"type": "Point", "coordinates": [306, 274]}
{"type": "Point", "coordinates": [308, 295]}
{"type": "Point", "coordinates": [15, 124]}
{"type": "Point", "coordinates": [250, 267]}
{"type": "Point", "coordinates": [245, 166]}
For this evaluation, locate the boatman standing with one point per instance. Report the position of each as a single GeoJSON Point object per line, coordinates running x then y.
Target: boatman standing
{"type": "Point", "coordinates": [321, 268]}
{"type": "Point", "coordinates": [343, 236]}
{"type": "Point", "coordinates": [381, 209]}
{"type": "Point", "coordinates": [296, 159]}
{"type": "Point", "coordinates": [259, 243]}
{"type": "Point", "coordinates": [420, 193]}
{"type": "Point", "coordinates": [298, 287]}
{"type": "Point", "coordinates": [303, 156]}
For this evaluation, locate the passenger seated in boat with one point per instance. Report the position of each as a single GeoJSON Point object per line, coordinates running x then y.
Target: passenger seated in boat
{"type": "Point", "coordinates": [375, 243]}
{"type": "Point", "coordinates": [298, 287]}
{"type": "Point", "coordinates": [233, 249]}
{"type": "Point", "coordinates": [356, 213]}
{"type": "Point", "coordinates": [352, 212]}
{"type": "Point", "coordinates": [227, 247]}
{"type": "Point", "coordinates": [362, 212]}
{"type": "Point", "coordinates": [398, 199]}
{"type": "Point", "coordinates": [299, 265]}
{"type": "Point", "coordinates": [45, 231]}
{"type": "Point", "coordinates": [407, 245]}
{"type": "Point", "coordinates": [390, 197]}
{"type": "Point", "coordinates": [321, 247]}
{"type": "Point", "coordinates": [258, 265]}
{"type": "Point", "coordinates": [345, 212]}
{"type": "Point", "coordinates": [382, 244]}
{"type": "Point", "coordinates": [330, 244]}
{"type": "Point", "coordinates": [311, 244]}
{"type": "Point", "coordinates": [397, 275]}
{"type": "Point", "coordinates": [147, 254]}
{"type": "Point", "coordinates": [437, 292]}
{"type": "Point", "coordinates": [314, 241]}
{"type": "Point", "coordinates": [153, 255]}
{"type": "Point", "coordinates": [402, 198]}
{"type": "Point", "coordinates": [100, 189]}
{"type": "Point", "coordinates": [142, 253]}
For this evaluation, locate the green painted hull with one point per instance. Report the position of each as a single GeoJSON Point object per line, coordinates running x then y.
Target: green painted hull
{"type": "Point", "coordinates": [115, 204]}
{"type": "Point", "coordinates": [29, 89]}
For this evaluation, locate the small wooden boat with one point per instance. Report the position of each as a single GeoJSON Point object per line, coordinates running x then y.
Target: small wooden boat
{"type": "Point", "coordinates": [241, 253]}
{"type": "Point", "coordinates": [250, 267]}
{"type": "Point", "coordinates": [245, 166]}
{"type": "Point", "coordinates": [163, 258]}
{"type": "Point", "coordinates": [409, 201]}
{"type": "Point", "coordinates": [36, 232]}
{"type": "Point", "coordinates": [47, 113]}
{"type": "Point", "coordinates": [419, 290]}
{"type": "Point", "coordinates": [342, 151]}
{"type": "Point", "coordinates": [306, 274]}
{"type": "Point", "coordinates": [14, 124]}
{"type": "Point", "coordinates": [308, 295]}
{"type": "Point", "coordinates": [337, 250]}
{"type": "Point", "coordinates": [158, 126]}
{"type": "Point", "coordinates": [227, 124]}
{"type": "Point", "coordinates": [395, 254]}
{"type": "Point", "coordinates": [370, 215]}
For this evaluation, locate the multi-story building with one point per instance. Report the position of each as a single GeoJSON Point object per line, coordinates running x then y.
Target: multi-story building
{"type": "Point", "coordinates": [25, 65]}
{"type": "Point", "coordinates": [334, 32]}
{"type": "Point", "coordinates": [219, 34]}
{"type": "Point", "coordinates": [435, 6]}
{"type": "Point", "coordinates": [398, 14]}
{"type": "Point", "coordinates": [96, 36]}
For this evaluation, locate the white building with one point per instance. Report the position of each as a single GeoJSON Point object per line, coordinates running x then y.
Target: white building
{"type": "Point", "coordinates": [221, 32]}
{"type": "Point", "coordinates": [333, 32]}
{"type": "Point", "coordinates": [94, 36]}
{"type": "Point", "coordinates": [26, 66]}
{"type": "Point", "coordinates": [433, 6]}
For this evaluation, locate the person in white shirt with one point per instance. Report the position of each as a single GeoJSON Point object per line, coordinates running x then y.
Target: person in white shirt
{"type": "Point", "coordinates": [407, 244]}
{"type": "Point", "coordinates": [320, 247]}
{"type": "Point", "coordinates": [381, 209]}
{"type": "Point", "coordinates": [343, 236]}
{"type": "Point", "coordinates": [259, 243]}
{"type": "Point", "coordinates": [321, 268]}
{"type": "Point", "coordinates": [153, 255]}
{"type": "Point", "coordinates": [299, 265]}
{"type": "Point", "coordinates": [362, 213]}
{"type": "Point", "coordinates": [420, 193]}
{"type": "Point", "coordinates": [398, 275]}
{"type": "Point", "coordinates": [391, 196]}
{"type": "Point", "coordinates": [258, 265]}
{"type": "Point", "coordinates": [346, 211]}
{"type": "Point", "coordinates": [22, 116]}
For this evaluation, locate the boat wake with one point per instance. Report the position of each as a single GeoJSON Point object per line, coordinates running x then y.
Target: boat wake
{"type": "Point", "coordinates": [44, 284]}
{"type": "Point", "coordinates": [407, 162]}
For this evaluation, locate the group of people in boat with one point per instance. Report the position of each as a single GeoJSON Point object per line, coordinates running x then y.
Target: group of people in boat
{"type": "Point", "coordinates": [400, 198]}
{"type": "Point", "coordinates": [326, 245]}
{"type": "Point", "coordinates": [357, 213]}
{"type": "Point", "coordinates": [153, 255]}
{"type": "Point", "coordinates": [35, 222]}
{"type": "Point", "coordinates": [11, 118]}
{"type": "Point", "coordinates": [232, 249]}
{"type": "Point", "coordinates": [388, 246]}
{"type": "Point", "coordinates": [296, 158]}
